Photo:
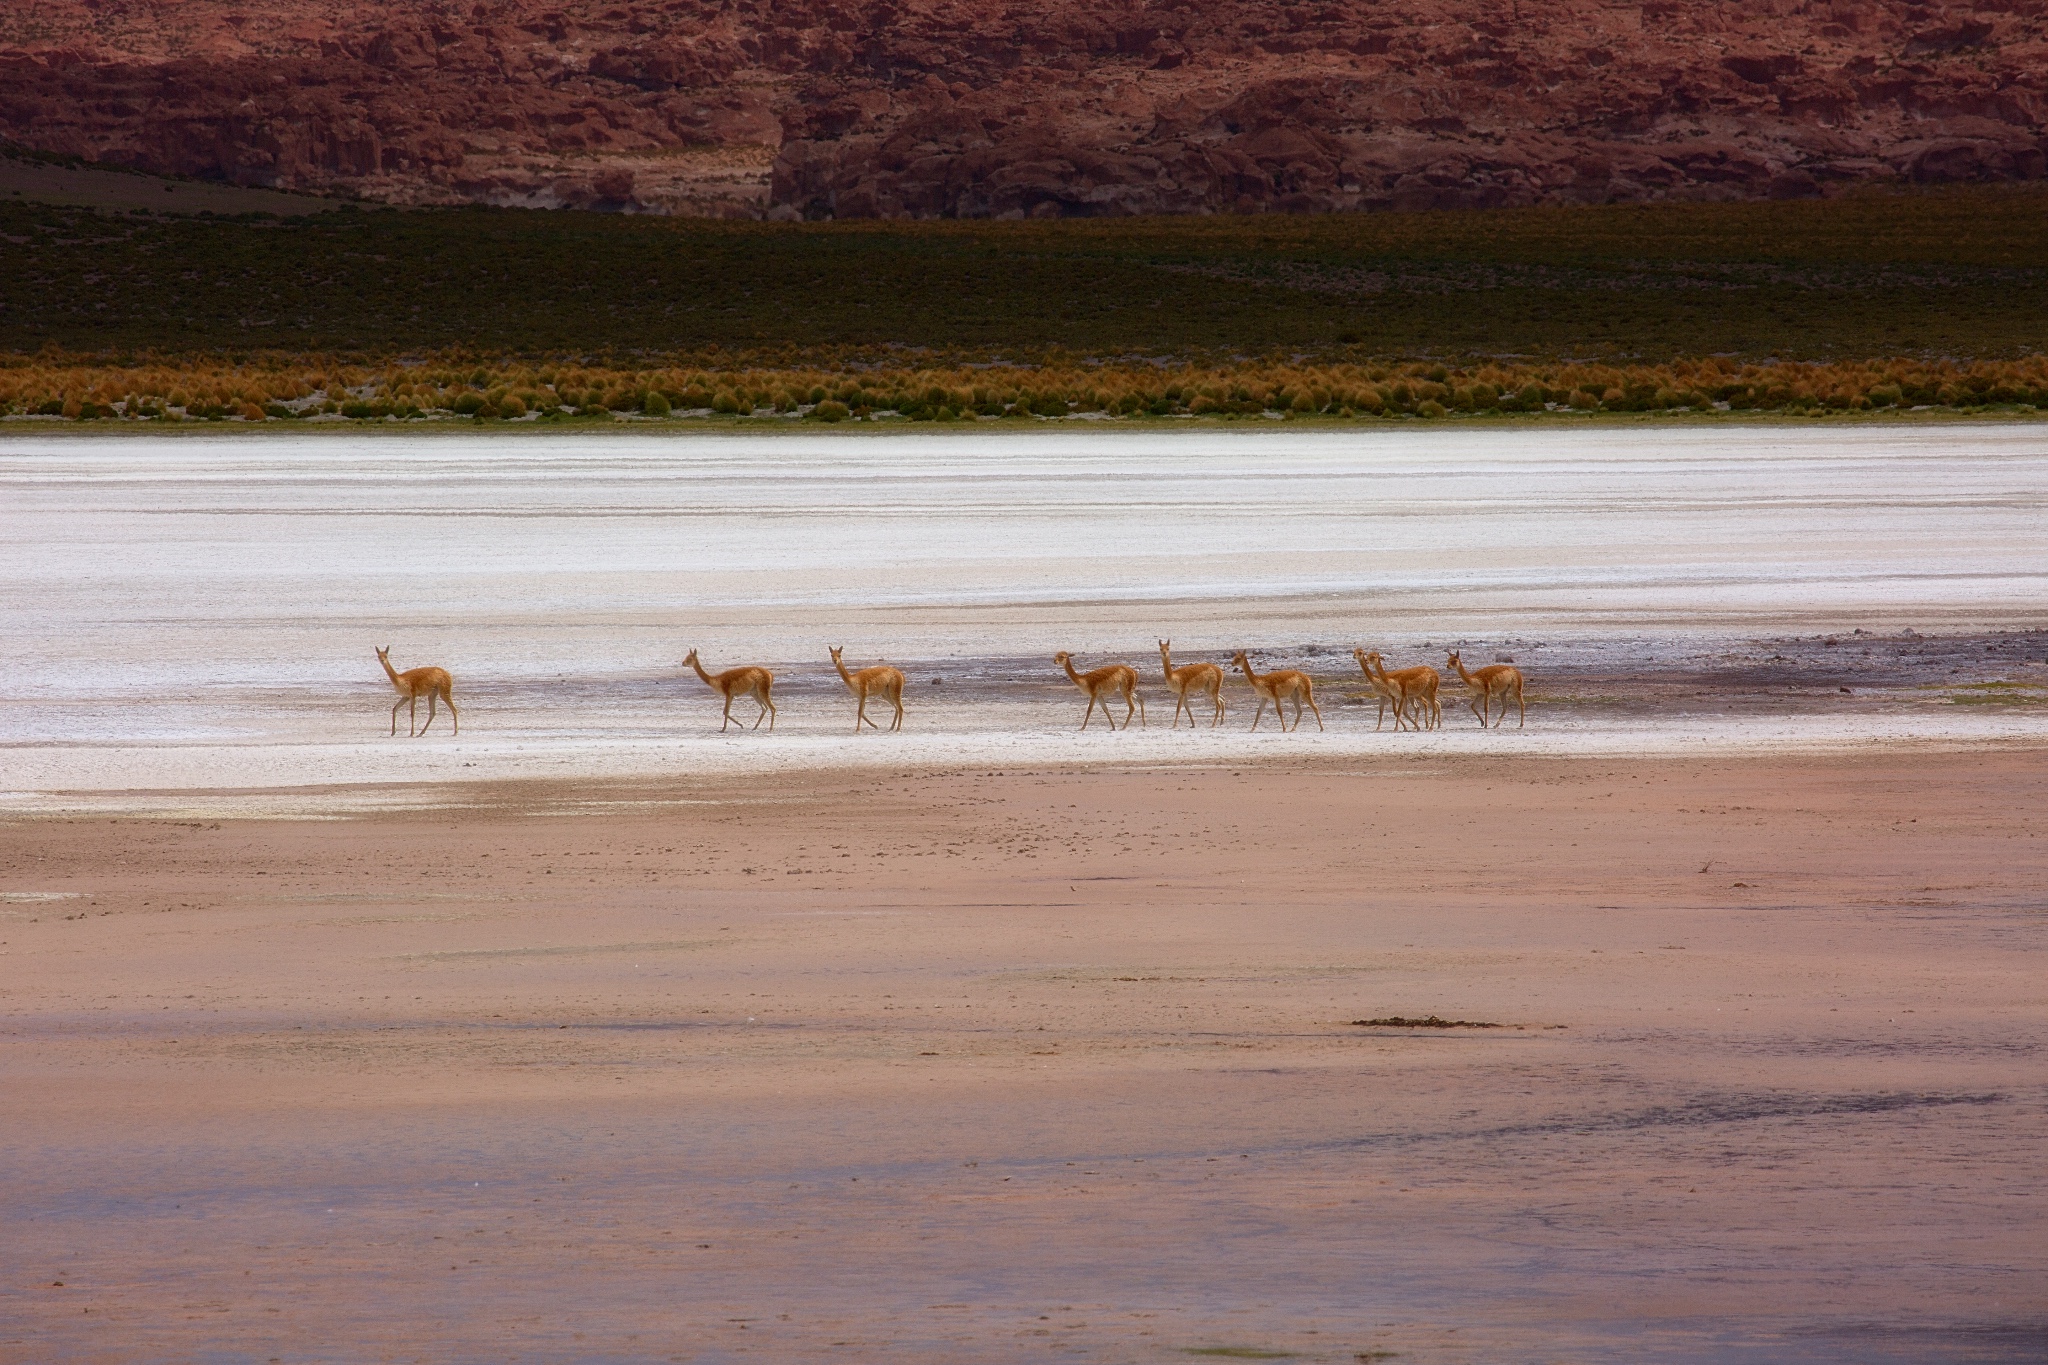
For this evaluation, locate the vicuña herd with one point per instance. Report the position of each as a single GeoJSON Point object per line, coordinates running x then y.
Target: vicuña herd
{"type": "Point", "coordinates": [1410, 692]}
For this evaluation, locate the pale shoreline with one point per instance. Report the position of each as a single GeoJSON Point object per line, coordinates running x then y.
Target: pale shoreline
{"type": "Point", "coordinates": [256, 781]}
{"type": "Point", "coordinates": [328, 749]}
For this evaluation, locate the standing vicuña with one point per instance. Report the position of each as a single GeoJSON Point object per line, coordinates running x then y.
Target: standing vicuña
{"type": "Point", "coordinates": [1191, 678]}
{"type": "Point", "coordinates": [749, 681]}
{"type": "Point", "coordinates": [1490, 682]}
{"type": "Point", "coordinates": [1103, 683]}
{"type": "Point", "coordinates": [1385, 690]}
{"type": "Point", "coordinates": [880, 681]}
{"type": "Point", "coordinates": [415, 683]}
{"type": "Point", "coordinates": [1405, 686]}
{"type": "Point", "coordinates": [1276, 687]}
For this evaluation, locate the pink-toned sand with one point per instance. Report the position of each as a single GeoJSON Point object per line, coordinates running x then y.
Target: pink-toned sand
{"type": "Point", "coordinates": [1027, 1065]}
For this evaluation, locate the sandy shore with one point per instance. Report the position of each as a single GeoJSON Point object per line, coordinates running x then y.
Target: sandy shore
{"type": "Point", "coordinates": [1034, 1062]}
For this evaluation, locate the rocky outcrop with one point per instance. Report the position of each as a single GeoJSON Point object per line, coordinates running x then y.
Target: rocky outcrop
{"type": "Point", "coordinates": [886, 108]}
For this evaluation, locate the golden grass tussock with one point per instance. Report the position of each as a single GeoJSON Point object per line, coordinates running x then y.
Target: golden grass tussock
{"type": "Point", "coordinates": [797, 387]}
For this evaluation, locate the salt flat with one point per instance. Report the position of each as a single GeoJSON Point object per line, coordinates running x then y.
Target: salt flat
{"type": "Point", "coordinates": [199, 610]}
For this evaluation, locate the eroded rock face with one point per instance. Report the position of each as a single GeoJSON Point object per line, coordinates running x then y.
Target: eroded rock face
{"type": "Point", "coordinates": [884, 108]}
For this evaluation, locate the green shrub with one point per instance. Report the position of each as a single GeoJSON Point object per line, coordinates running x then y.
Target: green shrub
{"type": "Point", "coordinates": [657, 405]}
{"type": "Point", "coordinates": [1429, 407]}
{"type": "Point", "coordinates": [831, 410]}
{"type": "Point", "coordinates": [469, 403]}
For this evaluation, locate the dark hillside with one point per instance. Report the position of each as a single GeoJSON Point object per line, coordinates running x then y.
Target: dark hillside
{"type": "Point", "coordinates": [1960, 273]}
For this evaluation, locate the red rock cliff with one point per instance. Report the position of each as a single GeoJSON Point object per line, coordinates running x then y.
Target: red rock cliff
{"type": "Point", "coordinates": [979, 107]}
